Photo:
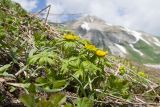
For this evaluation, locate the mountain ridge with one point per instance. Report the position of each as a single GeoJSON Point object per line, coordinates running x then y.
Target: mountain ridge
{"type": "Point", "coordinates": [121, 41]}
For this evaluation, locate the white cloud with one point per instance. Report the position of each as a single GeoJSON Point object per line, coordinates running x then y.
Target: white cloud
{"type": "Point", "coordinates": [136, 14]}
{"type": "Point", "coordinates": [29, 5]}
{"type": "Point", "coordinates": [54, 9]}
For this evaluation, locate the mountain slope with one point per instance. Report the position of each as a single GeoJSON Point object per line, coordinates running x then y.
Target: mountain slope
{"type": "Point", "coordinates": [121, 41]}
{"type": "Point", "coordinates": [41, 66]}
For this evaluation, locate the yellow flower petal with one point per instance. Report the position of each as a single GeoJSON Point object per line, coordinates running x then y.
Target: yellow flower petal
{"type": "Point", "coordinates": [90, 47]}
{"type": "Point", "coordinates": [70, 37]}
{"type": "Point", "coordinates": [101, 53]}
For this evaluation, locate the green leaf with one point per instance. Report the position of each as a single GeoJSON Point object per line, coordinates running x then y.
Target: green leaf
{"type": "Point", "coordinates": [58, 99]}
{"type": "Point", "coordinates": [28, 100]}
{"type": "Point", "coordinates": [5, 74]}
{"type": "Point", "coordinates": [44, 103]}
{"type": "Point", "coordinates": [69, 44]}
{"type": "Point", "coordinates": [32, 88]}
{"type": "Point", "coordinates": [50, 61]}
{"type": "Point", "coordinates": [52, 55]}
{"type": "Point", "coordinates": [79, 73]}
{"type": "Point", "coordinates": [80, 84]}
{"type": "Point", "coordinates": [32, 51]}
{"type": "Point", "coordinates": [59, 84]}
{"type": "Point", "coordinates": [68, 105]}
{"type": "Point", "coordinates": [64, 67]}
{"type": "Point", "coordinates": [118, 86]}
{"type": "Point", "coordinates": [47, 89]}
{"type": "Point", "coordinates": [90, 67]}
{"type": "Point", "coordinates": [25, 85]}
{"type": "Point", "coordinates": [74, 61]}
{"type": "Point", "coordinates": [84, 102]}
{"type": "Point", "coordinates": [4, 68]}
{"type": "Point", "coordinates": [12, 89]}
{"type": "Point", "coordinates": [108, 64]}
{"type": "Point", "coordinates": [41, 80]}
{"type": "Point", "coordinates": [43, 60]}
{"type": "Point", "coordinates": [33, 59]}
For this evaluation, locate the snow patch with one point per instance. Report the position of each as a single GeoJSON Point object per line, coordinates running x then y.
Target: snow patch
{"type": "Point", "coordinates": [108, 24]}
{"type": "Point", "coordinates": [91, 19]}
{"type": "Point", "coordinates": [121, 48]}
{"type": "Point", "coordinates": [157, 42]}
{"type": "Point", "coordinates": [136, 50]}
{"type": "Point", "coordinates": [137, 35]}
{"type": "Point", "coordinates": [85, 26]}
{"type": "Point", "coordinates": [156, 39]}
{"type": "Point", "coordinates": [153, 66]}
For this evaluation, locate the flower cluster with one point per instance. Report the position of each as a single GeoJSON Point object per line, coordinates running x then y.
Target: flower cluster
{"type": "Point", "coordinates": [97, 51]}
{"type": "Point", "coordinates": [70, 37]}
{"type": "Point", "coordinates": [89, 47]}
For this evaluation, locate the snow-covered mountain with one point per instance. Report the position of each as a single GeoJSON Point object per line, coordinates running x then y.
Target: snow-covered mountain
{"type": "Point", "coordinates": [121, 41]}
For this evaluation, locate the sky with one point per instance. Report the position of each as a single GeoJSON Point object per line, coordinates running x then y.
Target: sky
{"type": "Point", "coordinates": [143, 15]}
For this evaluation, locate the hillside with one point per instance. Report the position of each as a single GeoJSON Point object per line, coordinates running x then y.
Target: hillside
{"type": "Point", "coordinates": [134, 45]}
{"type": "Point", "coordinates": [44, 66]}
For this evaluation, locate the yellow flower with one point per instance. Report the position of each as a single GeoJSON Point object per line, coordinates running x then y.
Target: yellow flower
{"type": "Point", "coordinates": [100, 53]}
{"type": "Point", "coordinates": [70, 37]}
{"type": "Point", "coordinates": [90, 47]}
{"type": "Point", "coordinates": [142, 74]}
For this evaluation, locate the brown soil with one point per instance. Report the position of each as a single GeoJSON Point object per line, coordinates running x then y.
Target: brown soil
{"type": "Point", "coordinates": [7, 98]}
